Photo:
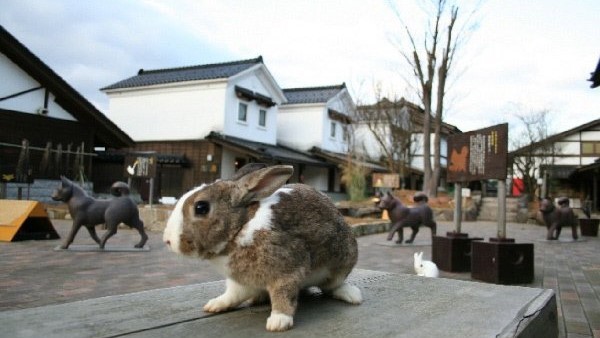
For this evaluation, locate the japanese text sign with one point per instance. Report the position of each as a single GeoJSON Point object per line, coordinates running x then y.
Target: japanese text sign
{"type": "Point", "coordinates": [478, 155]}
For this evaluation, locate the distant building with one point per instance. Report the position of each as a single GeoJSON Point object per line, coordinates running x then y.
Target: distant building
{"type": "Point", "coordinates": [209, 120]}
{"type": "Point", "coordinates": [568, 162]}
{"type": "Point", "coordinates": [61, 127]}
{"type": "Point", "coordinates": [408, 117]}
{"type": "Point", "coordinates": [316, 120]}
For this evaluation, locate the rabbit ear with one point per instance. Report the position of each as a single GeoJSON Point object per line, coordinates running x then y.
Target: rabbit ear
{"type": "Point", "coordinates": [65, 181]}
{"type": "Point", "coordinates": [261, 183]}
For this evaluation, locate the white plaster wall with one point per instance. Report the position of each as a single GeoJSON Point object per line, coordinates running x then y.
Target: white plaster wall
{"type": "Point", "coordinates": [365, 142]}
{"type": "Point", "coordinates": [365, 138]}
{"type": "Point", "coordinates": [300, 126]}
{"type": "Point", "coordinates": [588, 160]}
{"type": "Point", "coordinates": [15, 80]}
{"type": "Point", "coordinates": [590, 135]}
{"type": "Point", "coordinates": [574, 137]}
{"type": "Point", "coordinates": [176, 112]}
{"type": "Point", "coordinates": [250, 130]}
{"type": "Point", "coordinates": [567, 161]}
{"type": "Point", "coordinates": [335, 144]}
{"type": "Point", "coordinates": [443, 152]}
{"type": "Point", "coordinates": [341, 103]}
{"type": "Point", "coordinates": [586, 135]}
{"type": "Point", "coordinates": [568, 148]}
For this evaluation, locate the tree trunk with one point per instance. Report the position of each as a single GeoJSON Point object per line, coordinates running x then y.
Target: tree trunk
{"type": "Point", "coordinates": [427, 172]}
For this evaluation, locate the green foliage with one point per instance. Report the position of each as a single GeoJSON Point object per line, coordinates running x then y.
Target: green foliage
{"type": "Point", "coordinates": [354, 177]}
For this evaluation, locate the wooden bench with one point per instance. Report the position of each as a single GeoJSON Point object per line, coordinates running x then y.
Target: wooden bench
{"type": "Point", "coordinates": [394, 305]}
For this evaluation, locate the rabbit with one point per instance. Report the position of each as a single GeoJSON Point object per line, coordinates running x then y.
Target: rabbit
{"type": "Point", "coordinates": [425, 268]}
{"type": "Point", "coordinates": [267, 239]}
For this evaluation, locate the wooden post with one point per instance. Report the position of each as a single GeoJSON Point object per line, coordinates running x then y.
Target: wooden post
{"type": "Point", "coordinates": [502, 208]}
{"type": "Point", "coordinates": [151, 197]}
{"type": "Point", "coordinates": [457, 206]}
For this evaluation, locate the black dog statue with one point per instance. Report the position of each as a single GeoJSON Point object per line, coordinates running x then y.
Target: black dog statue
{"type": "Point", "coordinates": [89, 212]}
{"type": "Point", "coordinates": [402, 216]}
{"type": "Point", "coordinates": [555, 218]}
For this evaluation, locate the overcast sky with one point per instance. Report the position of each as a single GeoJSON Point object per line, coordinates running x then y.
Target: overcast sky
{"type": "Point", "coordinates": [534, 54]}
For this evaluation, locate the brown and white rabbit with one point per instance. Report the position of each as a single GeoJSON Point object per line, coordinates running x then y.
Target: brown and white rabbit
{"type": "Point", "coordinates": [267, 238]}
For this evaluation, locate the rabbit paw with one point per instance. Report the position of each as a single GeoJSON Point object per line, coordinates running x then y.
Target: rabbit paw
{"type": "Point", "coordinates": [279, 322]}
{"type": "Point", "coordinates": [218, 304]}
{"type": "Point", "coordinates": [348, 293]}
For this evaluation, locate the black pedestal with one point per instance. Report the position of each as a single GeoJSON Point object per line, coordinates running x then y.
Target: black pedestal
{"type": "Point", "coordinates": [453, 252]}
{"type": "Point", "coordinates": [589, 226]}
{"type": "Point", "coordinates": [502, 261]}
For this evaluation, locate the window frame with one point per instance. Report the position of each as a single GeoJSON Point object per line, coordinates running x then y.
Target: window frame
{"type": "Point", "coordinates": [332, 129]}
{"type": "Point", "coordinates": [595, 147]}
{"type": "Point", "coordinates": [245, 106]}
{"type": "Point", "coordinates": [262, 117]}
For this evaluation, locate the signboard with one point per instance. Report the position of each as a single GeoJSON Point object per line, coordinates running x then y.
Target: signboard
{"type": "Point", "coordinates": [478, 155]}
{"type": "Point", "coordinates": [141, 165]}
{"type": "Point", "coordinates": [386, 180]}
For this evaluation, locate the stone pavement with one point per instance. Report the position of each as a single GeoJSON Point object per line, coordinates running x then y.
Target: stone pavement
{"type": "Point", "coordinates": [33, 274]}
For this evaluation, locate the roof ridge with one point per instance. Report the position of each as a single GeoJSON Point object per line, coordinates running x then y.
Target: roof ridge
{"type": "Point", "coordinates": [340, 86]}
{"type": "Point", "coordinates": [258, 59]}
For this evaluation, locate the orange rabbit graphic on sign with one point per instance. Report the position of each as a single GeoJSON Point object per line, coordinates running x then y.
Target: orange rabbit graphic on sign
{"type": "Point", "coordinates": [458, 160]}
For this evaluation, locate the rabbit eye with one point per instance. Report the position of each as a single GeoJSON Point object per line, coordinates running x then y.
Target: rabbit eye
{"type": "Point", "coordinates": [201, 208]}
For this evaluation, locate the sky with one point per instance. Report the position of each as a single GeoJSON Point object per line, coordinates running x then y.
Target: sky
{"type": "Point", "coordinates": [519, 57]}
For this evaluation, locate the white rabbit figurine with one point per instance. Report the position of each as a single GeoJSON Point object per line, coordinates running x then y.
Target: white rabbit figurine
{"type": "Point", "coordinates": [267, 239]}
{"type": "Point", "coordinates": [425, 268]}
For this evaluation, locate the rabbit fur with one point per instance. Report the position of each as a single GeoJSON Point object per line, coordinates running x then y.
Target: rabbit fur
{"type": "Point", "coordinates": [425, 268]}
{"type": "Point", "coordinates": [266, 238]}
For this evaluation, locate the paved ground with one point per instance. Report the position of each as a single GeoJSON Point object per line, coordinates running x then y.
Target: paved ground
{"type": "Point", "coordinates": [33, 274]}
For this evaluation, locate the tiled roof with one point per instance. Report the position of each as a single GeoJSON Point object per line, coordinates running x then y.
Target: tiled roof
{"type": "Point", "coordinates": [267, 152]}
{"type": "Point", "coordinates": [342, 159]}
{"type": "Point", "coordinates": [181, 74]}
{"type": "Point", "coordinates": [312, 94]}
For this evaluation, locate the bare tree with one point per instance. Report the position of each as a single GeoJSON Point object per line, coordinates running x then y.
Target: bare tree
{"type": "Point", "coordinates": [431, 64]}
{"type": "Point", "coordinates": [532, 147]}
{"type": "Point", "coordinates": [391, 125]}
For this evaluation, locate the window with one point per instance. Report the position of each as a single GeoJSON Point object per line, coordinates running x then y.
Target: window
{"type": "Point", "coordinates": [262, 118]}
{"type": "Point", "coordinates": [332, 131]}
{"type": "Point", "coordinates": [242, 112]}
{"type": "Point", "coordinates": [590, 148]}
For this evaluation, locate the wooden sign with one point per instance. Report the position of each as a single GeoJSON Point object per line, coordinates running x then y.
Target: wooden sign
{"type": "Point", "coordinates": [386, 180]}
{"type": "Point", "coordinates": [478, 155]}
{"type": "Point", "coordinates": [141, 165]}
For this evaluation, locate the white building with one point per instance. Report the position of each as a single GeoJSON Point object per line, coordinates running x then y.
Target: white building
{"type": "Point", "coordinates": [58, 124]}
{"type": "Point", "coordinates": [215, 118]}
{"type": "Point", "coordinates": [566, 164]}
{"type": "Point", "coordinates": [317, 120]}
{"type": "Point", "coordinates": [410, 116]}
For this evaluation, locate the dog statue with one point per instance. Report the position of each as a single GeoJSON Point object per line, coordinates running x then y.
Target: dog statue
{"type": "Point", "coordinates": [555, 218]}
{"type": "Point", "coordinates": [89, 212]}
{"type": "Point", "coordinates": [402, 216]}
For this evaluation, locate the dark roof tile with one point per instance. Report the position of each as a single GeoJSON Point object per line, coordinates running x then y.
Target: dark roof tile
{"type": "Point", "coordinates": [181, 74]}
{"type": "Point", "coordinates": [268, 152]}
{"type": "Point", "coordinates": [312, 94]}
